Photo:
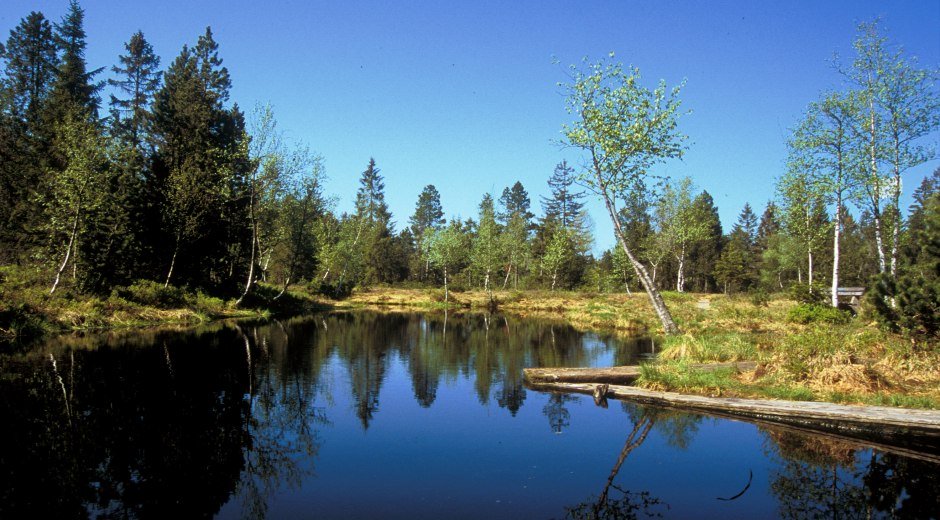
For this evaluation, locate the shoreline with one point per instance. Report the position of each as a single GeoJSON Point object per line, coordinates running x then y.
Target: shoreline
{"type": "Point", "coordinates": [854, 363]}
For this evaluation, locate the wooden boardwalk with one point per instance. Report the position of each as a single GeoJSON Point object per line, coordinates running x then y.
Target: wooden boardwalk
{"type": "Point", "coordinates": [622, 375]}
{"type": "Point", "coordinates": [908, 431]}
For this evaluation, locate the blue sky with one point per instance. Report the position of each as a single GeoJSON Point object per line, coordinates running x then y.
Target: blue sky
{"type": "Point", "coordinates": [463, 95]}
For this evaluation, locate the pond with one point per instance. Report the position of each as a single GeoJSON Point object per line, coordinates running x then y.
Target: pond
{"type": "Point", "coordinates": [367, 415]}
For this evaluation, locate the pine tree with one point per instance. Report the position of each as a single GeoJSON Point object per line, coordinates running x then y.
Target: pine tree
{"type": "Point", "coordinates": [30, 70]}
{"type": "Point", "coordinates": [515, 203]}
{"type": "Point", "coordinates": [29, 67]}
{"type": "Point", "coordinates": [200, 166]}
{"type": "Point", "coordinates": [376, 227]}
{"type": "Point", "coordinates": [565, 206]}
{"type": "Point", "coordinates": [139, 80]}
{"type": "Point", "coordinates": [704, 254]}
{"type": "Point", "coordinates": [428, 216]}
{"type": "Point", "coordinates": [74, 90]}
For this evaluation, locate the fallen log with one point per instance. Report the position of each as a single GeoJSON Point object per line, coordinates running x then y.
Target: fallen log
{"type": "Point", "coordinates": [622, 375]}
{"type": "Point", "coordinates": [913, 430]}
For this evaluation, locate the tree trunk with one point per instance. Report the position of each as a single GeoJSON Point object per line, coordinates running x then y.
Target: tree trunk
{"type": "Point", "coordinates": [896, 231]}
{"type": "Point", "coordinates": [656, 299]}
{"type": "Point", "coordinates": [680, 276]}
{"type": "Point", "coordinates": [176, 251]}
{"type": "Point", "coordinates": [251, 263]}
{"type": "Point", "coordinates": [446, 294]}
{"type": "Point", "coordinates": [508, 272]}
{"type": "Point", "coordinates": [68, 254]}
{"type": "Point", "coordinates": [835, 251]}
{"type": "Point", "coordinates": [809, 267]}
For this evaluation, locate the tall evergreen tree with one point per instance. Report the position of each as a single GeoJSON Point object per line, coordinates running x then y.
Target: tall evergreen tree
{"type": "Point", "coordinates": [565, 205]}
{"type": "Point", "coordinates": [74, 88]}
{"type": "Point", "coordinates": [376, 228]}
{"type": "Point", "coordinates": [428, 216]}
{"type": "Point", "coordinates": [515, 203]}
{"type": "Point", "coordinates": [138, 78]}
{"type": "Point", "coordinates": [201, 163]}
{"type": "Point", "coordinates": [704, 254]}
{"type": "Point", "coordinates": [29, 66]}
{"type": "Point", "coordinates": [29, 70]}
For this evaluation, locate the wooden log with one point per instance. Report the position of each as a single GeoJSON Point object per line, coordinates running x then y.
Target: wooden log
{"type": "Point", "coordinates": [622, 375]}
{"type": "Point", "coordinates": [914, 430]}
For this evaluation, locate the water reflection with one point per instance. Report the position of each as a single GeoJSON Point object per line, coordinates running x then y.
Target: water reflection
{"type": "Point", "coordinates": [822, 477]}
{"type": "Point", "coordinates": [230, 419]}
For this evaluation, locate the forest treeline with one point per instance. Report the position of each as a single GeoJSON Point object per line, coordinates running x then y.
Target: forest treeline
{"type": "Point", "coordinates": [170, 181]}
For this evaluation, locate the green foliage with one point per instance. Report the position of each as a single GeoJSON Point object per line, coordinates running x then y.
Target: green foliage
{"type": "Point", "coordinates": [759, 298]}
{"type": "Point", "coordinates": [809, 294]}
{"type": "Point", "coordinates": [805, 313]}
{"type": "Point", "coordinates": [153, 294]}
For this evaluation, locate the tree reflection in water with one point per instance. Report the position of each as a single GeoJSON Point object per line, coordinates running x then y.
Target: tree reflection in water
{"type": "Point", "coordinates": [615, 502]}
{"type": "Point", "coordinates": [167, 424]}
{"type": "Point", "coordinates": [825, 477]}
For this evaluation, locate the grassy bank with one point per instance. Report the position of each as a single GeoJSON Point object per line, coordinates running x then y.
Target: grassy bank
{"type": "Point", "coordinates": [28, 312]}
{"type": "Point", "coordinates": [802, 353]}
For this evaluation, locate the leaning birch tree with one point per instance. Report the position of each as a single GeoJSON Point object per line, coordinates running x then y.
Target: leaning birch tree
{"type": "Point", "coordinates": [624, 129]}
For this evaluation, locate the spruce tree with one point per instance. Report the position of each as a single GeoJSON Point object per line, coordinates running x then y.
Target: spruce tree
{"type": "Point", "coordinates": [515, 203]}
{"type": "Point", "coordinates": [704, 254]}
{"type": "Point", "coordinates": [428, 216]}
{"type": "Point", "coordinates": [200, 167]}
{"type": "Point", "coordinates": [565, 205]}
{"type": "Point", "coordinates": [29, 67]}
{"type": "Point", "coordinates": [74, 88]}
{"type": "Point", "coordinates": [138, 78]}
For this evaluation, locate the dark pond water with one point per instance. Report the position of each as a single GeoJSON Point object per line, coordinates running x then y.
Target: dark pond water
{"type": "Point", "coordinates": [362, 415]}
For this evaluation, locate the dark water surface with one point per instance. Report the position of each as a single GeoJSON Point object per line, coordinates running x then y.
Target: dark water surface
{"type": "Point", "coordinates": [362, 415]}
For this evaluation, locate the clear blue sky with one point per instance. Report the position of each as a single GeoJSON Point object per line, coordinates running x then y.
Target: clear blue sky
{"type": "Point", "coordinates": [463, 95]}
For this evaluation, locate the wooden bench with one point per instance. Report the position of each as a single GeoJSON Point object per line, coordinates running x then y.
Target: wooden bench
{"type": "Point", "coordinates": [852, 296]}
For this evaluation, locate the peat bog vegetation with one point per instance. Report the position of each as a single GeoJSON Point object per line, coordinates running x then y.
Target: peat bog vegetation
{"type": "Point", "coordinates": [191, 325]}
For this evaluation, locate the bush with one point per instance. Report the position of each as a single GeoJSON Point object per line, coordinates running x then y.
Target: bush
{"type": "Point", "coordinates": [760, 298]}
{"type": "Point", "coordinates": [811, 294]}
{"type": "Point", "coordinates": [335, 291]}
{"type": "Point", "coordinates": [813, 313]}
{"type": "Point", "coordinates": [916, 309]}
{"type": "Point", "coordinates": [153, 294]}
{"type": "Point", "coordinates": [21, 323]}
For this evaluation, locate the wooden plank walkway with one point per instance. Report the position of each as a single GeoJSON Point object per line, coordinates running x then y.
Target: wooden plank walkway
{"type": "Point", "coordinates": [622, 375]}
{"type": "Point", "coordinates": [913, 430]}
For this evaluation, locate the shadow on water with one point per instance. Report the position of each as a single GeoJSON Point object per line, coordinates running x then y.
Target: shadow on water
{"type": "Point", "coordinates": [182, 423]}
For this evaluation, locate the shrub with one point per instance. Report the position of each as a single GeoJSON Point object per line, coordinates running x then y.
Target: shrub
{"type": "Point", "coordinates": [153, 294]}
{"type": "Point", "coordinates": [335, 291]}
{"type": "Point", "coordinates": [811, 294]}
{"type": "Point", "coordinates": [760, 298]}
{"type": "Point", "coordinates": [813, 313]}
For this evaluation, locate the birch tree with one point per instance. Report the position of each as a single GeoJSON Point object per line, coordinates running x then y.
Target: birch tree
{"type": "Point", "coordinates": [824, 137]}
{"type": "Point", "coordinates": [624, 129]}
{"type": "Point", "coordinates": [78, 189]}
{"type": "Point", "coordinates": [448, 247]}
{"type": "Point", "coordinates": [680, 225]}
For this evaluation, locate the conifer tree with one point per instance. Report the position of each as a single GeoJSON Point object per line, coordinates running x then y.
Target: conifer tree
{"type": "Point", "coordinates": [428, 216]}
{"type": "Point", "coordinates": [201, 163]}
{"type": "Point", "coordinates": [565, 206]}
{"type": "Point", "coordinates": [74, 91]}
{"type": "Point", "coordinates": [29, 66]}
{"type": "Point", "coordinates": [138, 80]}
